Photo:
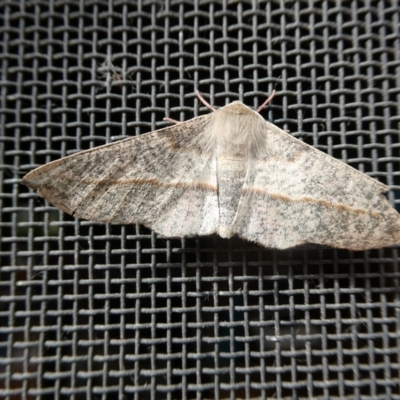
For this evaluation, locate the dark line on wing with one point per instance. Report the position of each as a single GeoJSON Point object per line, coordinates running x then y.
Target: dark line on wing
{"type": "Point", "coordinates": [310, 200]}
{"type": "Point", "coordinates": [152, 182]}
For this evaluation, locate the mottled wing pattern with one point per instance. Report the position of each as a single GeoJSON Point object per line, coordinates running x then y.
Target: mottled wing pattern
{"type": "Point", "coordinates": [162, 180]}
{"type": "Point", "coordinates": [296, 194]}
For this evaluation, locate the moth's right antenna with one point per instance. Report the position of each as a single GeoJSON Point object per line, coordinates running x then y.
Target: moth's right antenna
{"type": "Point", "coordinates": [266, 102]}
{"type": "Point", "coordinates": [204, 101]}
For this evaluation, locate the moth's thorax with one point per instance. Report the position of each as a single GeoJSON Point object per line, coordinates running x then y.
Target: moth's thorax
{"type": "Point", "coordinates": [235, 130]}
{"type": "Point", "coordinates": [237, 107]}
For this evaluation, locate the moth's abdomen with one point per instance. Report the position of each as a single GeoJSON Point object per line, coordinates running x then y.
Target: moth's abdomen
{"type": "Point", "coordinates": [231, 173]}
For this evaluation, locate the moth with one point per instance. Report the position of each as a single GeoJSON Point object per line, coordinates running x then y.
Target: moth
{"type": "Point", "coordinates": [229, 173]}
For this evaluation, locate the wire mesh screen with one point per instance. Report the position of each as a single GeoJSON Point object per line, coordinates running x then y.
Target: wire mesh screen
{"type": "Point", "coordinates": [109, 311]}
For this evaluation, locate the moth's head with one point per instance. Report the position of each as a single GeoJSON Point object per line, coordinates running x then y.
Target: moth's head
{"type": "Point", "coordinates": [237, 107]}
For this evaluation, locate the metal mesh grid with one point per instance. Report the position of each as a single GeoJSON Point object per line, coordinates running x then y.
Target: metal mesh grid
{"type": "Point", "coordinates": [94, 311]}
